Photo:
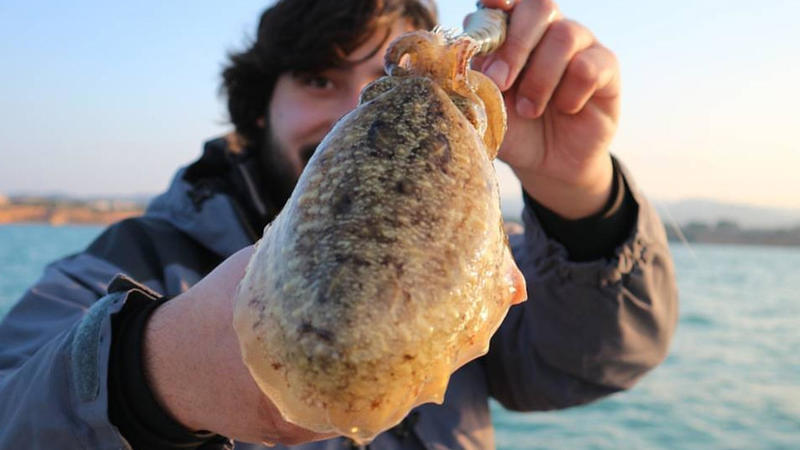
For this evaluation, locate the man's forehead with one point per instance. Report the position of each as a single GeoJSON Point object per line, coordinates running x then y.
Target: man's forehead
{"type": "Point", "coordinates": [379, 40]}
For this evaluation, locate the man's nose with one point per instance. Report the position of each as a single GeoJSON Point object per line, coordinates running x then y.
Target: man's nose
{"type": "Point", "coordinates": [352, 94]}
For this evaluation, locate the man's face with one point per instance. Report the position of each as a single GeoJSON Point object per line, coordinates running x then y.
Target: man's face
{"type": "Point", "coordinates": [304, 106]}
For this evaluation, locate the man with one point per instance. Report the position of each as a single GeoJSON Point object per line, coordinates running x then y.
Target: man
{"type": "Point", "coordinates": [85, 364]}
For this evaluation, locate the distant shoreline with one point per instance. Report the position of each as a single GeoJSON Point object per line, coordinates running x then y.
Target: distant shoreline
{"type": "Point", "coordinates": [105, 212]}
{"type": "Point", "coordinates": [54, 214]}
{"type": "Point", "coordinates": [740, 242]}
{"type": "Point", "coordinates": [729, 232]}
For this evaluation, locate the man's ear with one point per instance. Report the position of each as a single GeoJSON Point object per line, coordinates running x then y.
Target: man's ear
{"type": "Point", "coordinates": [260, 122]}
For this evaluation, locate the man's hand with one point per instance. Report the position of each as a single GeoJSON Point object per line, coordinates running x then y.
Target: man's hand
{"type": "Point", "coordinates": [562, 93]}
{"type": "Point", "coordinates": [195, 368]}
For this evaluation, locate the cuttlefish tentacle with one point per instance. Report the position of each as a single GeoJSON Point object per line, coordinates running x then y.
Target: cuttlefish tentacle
{"type": "Point", "coordinates": [416, 46]}
{"type": "Point", "coordinates": [432, 55]}
{"type": "Point", "coordinates": [444, 59]}
{"type": "Point", "coordinates": [464, 49]}
{"type": "Point", "coordinates": [496, 123]}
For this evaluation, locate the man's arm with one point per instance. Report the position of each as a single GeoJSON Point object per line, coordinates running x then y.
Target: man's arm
{"type": "Point", "coordinates": [55, 342]}
{"type": "Point", "coordinates": [56, 351]}
{"type": "Point", "coordinates": [589, 328]}
{"type": "Point", "coordinates": [561, 88]}
{"type": "Point", "coordinates": [52, 388]}
{"type": "Point", "coordinates": [194, 367]}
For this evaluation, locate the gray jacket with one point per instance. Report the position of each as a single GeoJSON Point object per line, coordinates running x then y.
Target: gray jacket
{"type": "Point", "coordinates": [586, 331]}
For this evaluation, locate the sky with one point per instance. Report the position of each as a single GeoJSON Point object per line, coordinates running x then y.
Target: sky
{"type": "Point", "coordinates": [101, 97]}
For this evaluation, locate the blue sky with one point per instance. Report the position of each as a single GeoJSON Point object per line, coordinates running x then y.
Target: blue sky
{"type": "Point", "coordinates": [111, 97]}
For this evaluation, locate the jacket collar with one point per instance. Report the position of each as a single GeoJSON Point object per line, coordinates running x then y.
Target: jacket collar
{"type": "Point", "coordinates": [217, 200]}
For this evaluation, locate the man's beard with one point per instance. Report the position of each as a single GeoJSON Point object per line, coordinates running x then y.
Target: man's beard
{"type": "Point", "coordinates": [277, 173]}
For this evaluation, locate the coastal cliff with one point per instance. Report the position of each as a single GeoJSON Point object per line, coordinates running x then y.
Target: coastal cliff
{"type": "Point", "coordinates": [63, 211]}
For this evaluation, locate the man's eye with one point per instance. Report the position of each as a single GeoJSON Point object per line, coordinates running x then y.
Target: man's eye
{"type": "Point", "coordinates": [317, 81]}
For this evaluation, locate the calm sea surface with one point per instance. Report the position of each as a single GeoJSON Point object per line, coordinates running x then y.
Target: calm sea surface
{"type": "Point", "coordinates": [732, 379]}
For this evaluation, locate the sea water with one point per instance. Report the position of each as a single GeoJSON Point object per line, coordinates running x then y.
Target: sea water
{"type": "Point", "coordinates": [731, 380]}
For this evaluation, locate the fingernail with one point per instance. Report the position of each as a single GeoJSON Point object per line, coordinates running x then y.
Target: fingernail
{"type": "Point", "coordinates": [498, 72]}
{"type": "Point", "coordinates": [526, 108]}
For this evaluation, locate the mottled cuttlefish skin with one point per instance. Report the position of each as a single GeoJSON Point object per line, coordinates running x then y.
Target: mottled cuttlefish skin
{"type": "Point", "coordinates": [388, 267]}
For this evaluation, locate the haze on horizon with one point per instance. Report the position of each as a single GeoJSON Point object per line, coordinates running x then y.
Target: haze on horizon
{"type": "Point", "coordinates": [111, 98]}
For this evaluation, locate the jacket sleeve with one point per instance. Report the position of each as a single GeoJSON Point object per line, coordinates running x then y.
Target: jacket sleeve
{"type": "Point", "coordinates": [588, 329]}
{"type": "Point", "coordinates": [54, 347]}
{"type": "Point", "coordinates": [55, 342]}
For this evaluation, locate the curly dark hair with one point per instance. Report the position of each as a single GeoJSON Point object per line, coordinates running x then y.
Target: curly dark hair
{"type": "Point", "coordinates": [305, 35]}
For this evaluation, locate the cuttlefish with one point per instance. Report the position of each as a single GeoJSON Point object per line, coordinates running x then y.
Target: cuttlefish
{"type": "Point", "coordinates": [388, 268]}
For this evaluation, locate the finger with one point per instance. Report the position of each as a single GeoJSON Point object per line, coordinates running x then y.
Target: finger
{"type": "Point", "coordinates": [562, 41]}
{"type": "Point", "coordinates": [594, 71]}
{"type": "Point", "coordinates": [499, 4]}
{"type": "Point", "coordinates": [528, 22]}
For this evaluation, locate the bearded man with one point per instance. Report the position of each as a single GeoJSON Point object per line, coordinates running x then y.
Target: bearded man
{"type": "Point", "coordinates": [87, 362]}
